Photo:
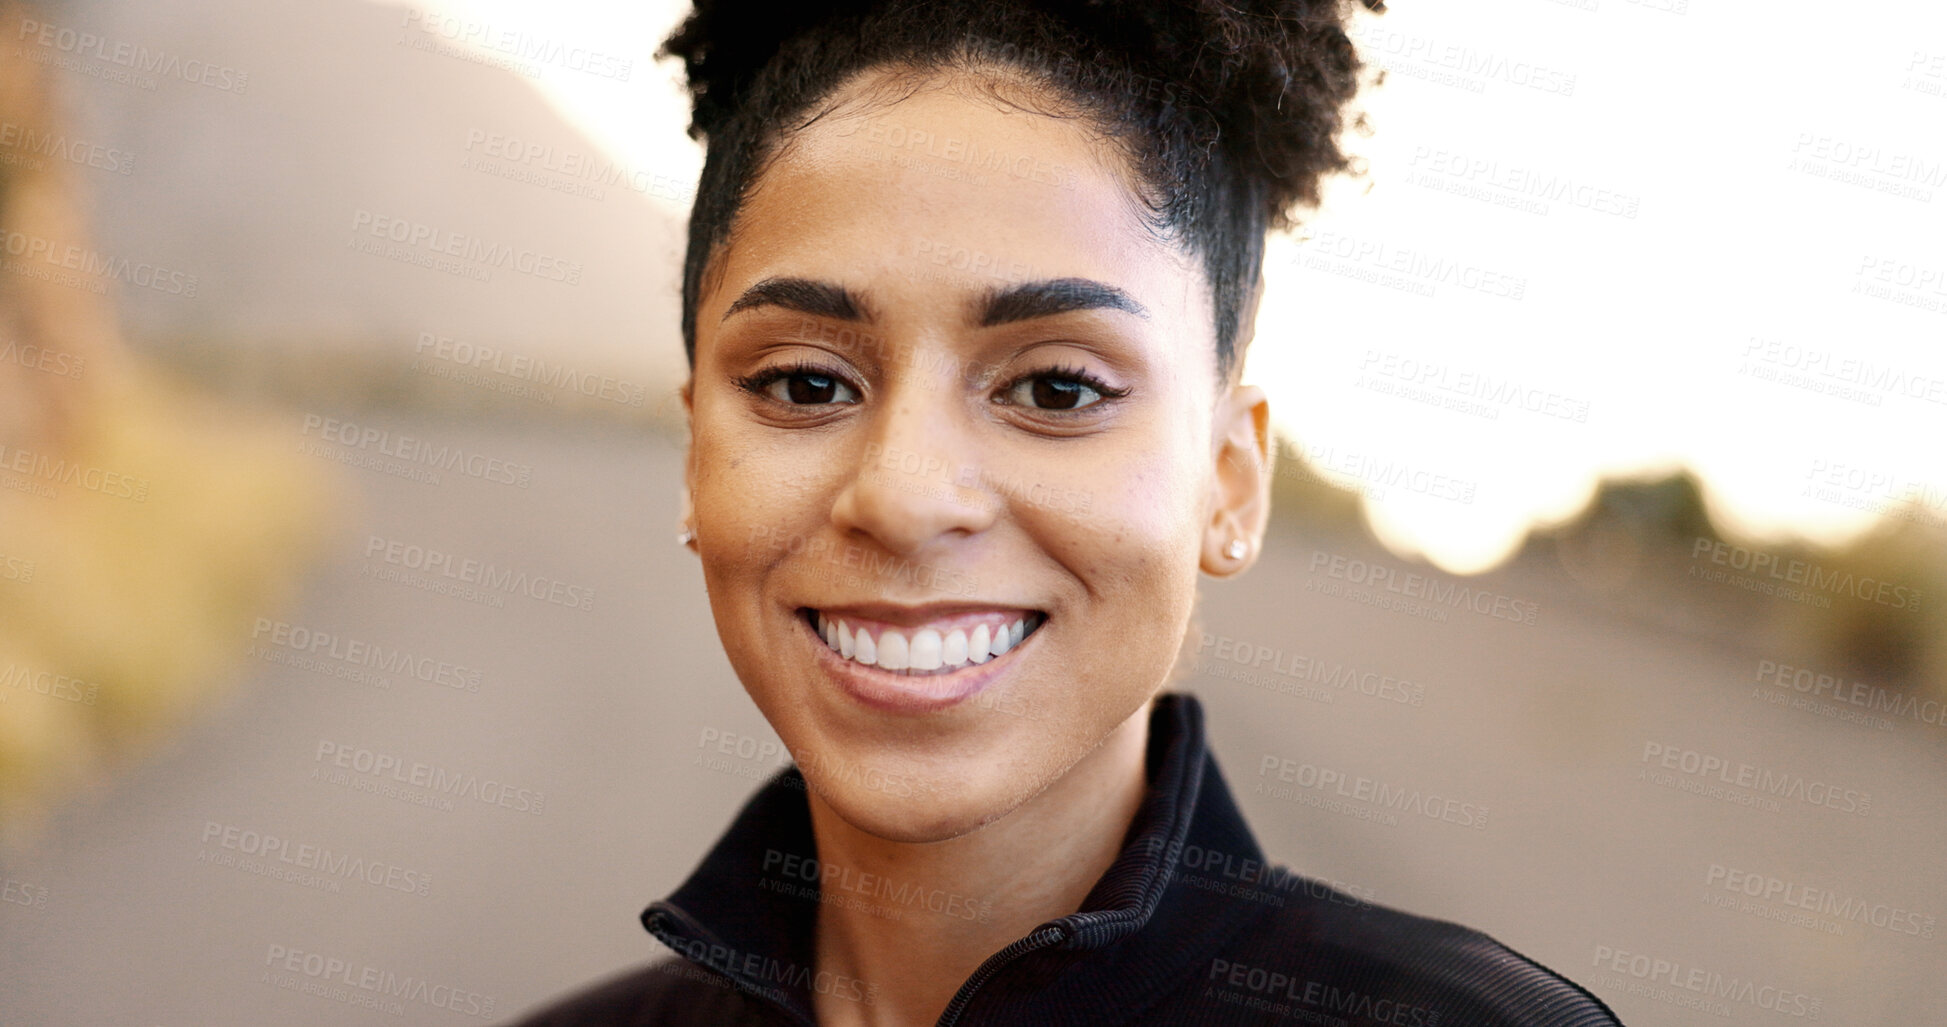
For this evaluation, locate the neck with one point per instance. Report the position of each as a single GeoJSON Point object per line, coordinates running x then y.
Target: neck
{"type": "Point", "coordinates": [993, 886]}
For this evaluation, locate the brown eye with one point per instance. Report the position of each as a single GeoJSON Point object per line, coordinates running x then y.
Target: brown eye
{"type": "Point", "coordinates": [808, 387]}
{"type": "Point", "coordinates": [1053, 392]}
{"type": "Point", "coordinates": [812, 389]}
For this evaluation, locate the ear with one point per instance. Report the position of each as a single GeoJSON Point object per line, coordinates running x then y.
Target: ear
{"type": "Point", "coordinates": [687, 525]}
{"type": "Point", "coordinates": [1240, 485]}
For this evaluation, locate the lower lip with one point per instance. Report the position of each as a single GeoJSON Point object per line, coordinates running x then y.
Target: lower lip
{"type": "Point", "coordinates": [882, 689]}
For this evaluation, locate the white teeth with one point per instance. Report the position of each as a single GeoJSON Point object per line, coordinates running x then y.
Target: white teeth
{"type": "Point", "coordinates": [1005, 637]}
{"type": "Point", "coordinates": [925, 654]}
{"type": "Point", "coordinates": [927, 651]}
{"type": "Point", "coordinates": [892, 650]}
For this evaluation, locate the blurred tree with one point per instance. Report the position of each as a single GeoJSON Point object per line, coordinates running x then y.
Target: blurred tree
{"type": "Point", "coordinates": [142, 530]}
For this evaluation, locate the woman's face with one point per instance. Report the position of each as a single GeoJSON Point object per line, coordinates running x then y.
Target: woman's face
{"type": "Point", "coordinates": [949, 390]}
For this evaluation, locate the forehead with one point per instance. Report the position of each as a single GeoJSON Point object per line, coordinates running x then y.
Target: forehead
{"type": "Point", "coordinates": [937, 184]}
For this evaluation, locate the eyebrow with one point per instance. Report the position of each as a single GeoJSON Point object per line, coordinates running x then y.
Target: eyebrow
{"type": "Point", "coordinates": [997, 306]}
{"type": "Point", "coordinates": [1049, 297]}
{"type": "Point", "coordinates": [819, 299]}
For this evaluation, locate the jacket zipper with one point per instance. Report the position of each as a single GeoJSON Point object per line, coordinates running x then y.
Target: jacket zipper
{"type": "Point", "coordinates": [1040, 939]}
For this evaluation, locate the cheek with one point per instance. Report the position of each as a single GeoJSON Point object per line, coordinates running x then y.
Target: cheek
{"type": "Point", "coordinates": [744, 528]}
{"type": "Point", "coordinates": [748, 492]}
{"type": "Point", "coordinates": [1136, 553]}
{"type": "Point", "coordinates": [1138, 520]}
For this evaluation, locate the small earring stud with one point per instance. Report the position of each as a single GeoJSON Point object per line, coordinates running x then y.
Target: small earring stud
{"type": "Point", "coordinates": [1236, 549]}
{"type": "Point", "coordinates": [686, 536]}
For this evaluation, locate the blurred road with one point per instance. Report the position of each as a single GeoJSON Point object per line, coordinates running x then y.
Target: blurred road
{"type": "Point", "coordinates": [489, 821]}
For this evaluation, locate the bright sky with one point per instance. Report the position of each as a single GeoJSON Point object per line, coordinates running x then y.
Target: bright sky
{"type": "Point", "coordinates": [1601, 237]}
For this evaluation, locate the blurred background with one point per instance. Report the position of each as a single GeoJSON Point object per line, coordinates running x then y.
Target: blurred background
{"type": "Point", "coordinates": [1612, 498]}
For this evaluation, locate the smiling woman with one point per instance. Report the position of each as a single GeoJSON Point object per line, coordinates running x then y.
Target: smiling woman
{"type": "Point", "coordinates": [966, 300]}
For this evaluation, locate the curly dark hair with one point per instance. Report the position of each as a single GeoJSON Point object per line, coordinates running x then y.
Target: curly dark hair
{"type": "Point", "coordinates": [1229, 113]}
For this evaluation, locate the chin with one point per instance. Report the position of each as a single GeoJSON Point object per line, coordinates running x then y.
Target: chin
{"type": "Point", "coordinates": [920, 807]}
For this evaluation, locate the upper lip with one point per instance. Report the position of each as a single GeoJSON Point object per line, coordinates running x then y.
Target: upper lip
{"type": "Point", "coordinates": [916, 616]}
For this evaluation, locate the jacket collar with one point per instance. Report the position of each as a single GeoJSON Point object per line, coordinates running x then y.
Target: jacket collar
{"type": "Point", "coordinates": [1140, 930]}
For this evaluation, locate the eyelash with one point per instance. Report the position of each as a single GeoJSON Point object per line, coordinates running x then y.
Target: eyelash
{"type": "Point", "coordinates": [1068, 372]}
{"type": "Point", "coordinates": [759, 382]}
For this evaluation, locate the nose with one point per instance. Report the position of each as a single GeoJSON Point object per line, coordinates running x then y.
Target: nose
{"type": "Point", "coordinates": [917, 480]}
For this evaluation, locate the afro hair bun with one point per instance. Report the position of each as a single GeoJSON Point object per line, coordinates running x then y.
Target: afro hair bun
{"type": "Point", "coordinates": [1263, 83]}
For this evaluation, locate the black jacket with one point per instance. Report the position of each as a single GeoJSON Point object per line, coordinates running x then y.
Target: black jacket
{"type": "Point", "coordinates": [1189, 926]}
